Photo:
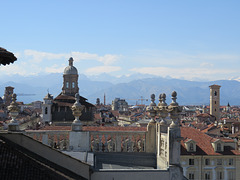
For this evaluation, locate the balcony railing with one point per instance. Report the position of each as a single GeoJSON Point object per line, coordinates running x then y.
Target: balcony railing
{"type": "Point", "coordinates": [55, 139]}
{"type": "Point", "coordinates": [117, 141]}
{"type": "Point", "coordinates": [99, 141]}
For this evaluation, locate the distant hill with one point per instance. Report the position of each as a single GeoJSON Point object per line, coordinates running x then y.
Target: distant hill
{"type": "Point", "coordinates": [189, 92]}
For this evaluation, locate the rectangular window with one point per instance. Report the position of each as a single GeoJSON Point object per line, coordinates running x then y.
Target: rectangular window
{"type": "Point", "coordinates": [219, 147]}
{"type": "Point", "coordinates": [207, 175]}
{"type": "Point", "coordinates": [230, 162]}
{"type": "Point", "coordinates": [230, 175]}
{"type": "Point", "coordinates": [191, 176]}
{"type": "Point", "coordinates": [220, 175]}
{"type": "Point", "coordinates": [207, 162]}
{"type": "Point", "coordinates": [191, 162]}
{"type": "Point", "coordinates": [191, 147]}
{"type": "Point", "coordinates": [219, 161]}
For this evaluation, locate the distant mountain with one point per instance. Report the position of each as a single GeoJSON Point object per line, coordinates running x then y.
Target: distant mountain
{"type": "Point", "coordinates": [189, 92]}
{"type": "Point", "coordinates": [40, 85]}
{"type": "Point", "coordinates": [120, 79]}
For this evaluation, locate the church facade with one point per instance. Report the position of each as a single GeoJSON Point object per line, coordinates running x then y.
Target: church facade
{"type": "Point", "coordinates": [59, 109]}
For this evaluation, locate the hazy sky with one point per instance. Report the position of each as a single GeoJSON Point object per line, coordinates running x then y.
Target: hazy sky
{"type": "Point", "coordinates": [189, 39]}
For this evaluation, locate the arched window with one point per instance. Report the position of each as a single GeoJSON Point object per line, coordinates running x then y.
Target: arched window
{"type": "Point", "coordinates": [46, 110]}
{"type": "Point", "coordinates": [215, 93]}
{"type": "Point", "coordinates": [73, 85]}
{"type": "Point", "coordinates": [67, 85]}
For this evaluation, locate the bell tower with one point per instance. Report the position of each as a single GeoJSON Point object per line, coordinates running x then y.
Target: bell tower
{"type": "Point", "coordinates": [215, 101]}
{"type": "Point", "coordinates": [70, 79]}
{"type": "Point", "coordinates": [46, 108]}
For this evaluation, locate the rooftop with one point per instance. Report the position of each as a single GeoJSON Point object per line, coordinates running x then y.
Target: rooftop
{"type": "Point", "coordinates": [203, 141]}
{"type": "Point", "coordinates": [94, 128]}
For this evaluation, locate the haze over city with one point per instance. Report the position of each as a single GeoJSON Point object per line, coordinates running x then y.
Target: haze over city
{"type": "Point", "coordinates": [124, 90]}
{"type": "Point", "coordinates": [191, 40]}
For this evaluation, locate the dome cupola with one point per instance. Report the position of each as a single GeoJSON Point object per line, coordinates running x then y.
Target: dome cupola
{"type": "Point", "coordinates": [70, 69]}
{"type": "Point", "coordinates": [70, 79]}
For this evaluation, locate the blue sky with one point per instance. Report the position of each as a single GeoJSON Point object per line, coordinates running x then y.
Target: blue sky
{"type": "Point", "coordinates": [187, 39]}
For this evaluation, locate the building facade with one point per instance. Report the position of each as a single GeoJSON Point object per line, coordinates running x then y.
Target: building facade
{"type": "Point", "coordinates": [119, 105]}
{"type": "Point", "coordinates": [207, 158]}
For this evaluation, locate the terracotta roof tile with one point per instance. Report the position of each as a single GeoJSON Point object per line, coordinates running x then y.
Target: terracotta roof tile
{"type": "Point", "coordinates": [97, 116]}
{"type": "Point", "coordinates": [204, 146]}
{"type": "Point", "coordinates": [94, 128]}
{"type": "Point", "coordinates": [113, 128]}
{"type": "Point", "coordinates": [209, 127]}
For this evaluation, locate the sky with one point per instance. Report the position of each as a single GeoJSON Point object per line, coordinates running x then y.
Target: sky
{"type": "Point", "coordinates": [184, 39]}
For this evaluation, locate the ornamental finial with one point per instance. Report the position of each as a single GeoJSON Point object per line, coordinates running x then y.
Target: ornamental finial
{"type": "Point", "coordinates": [77, 112]}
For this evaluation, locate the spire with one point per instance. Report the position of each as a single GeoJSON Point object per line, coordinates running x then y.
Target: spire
{"type": "Point", "coordinates": [70, 61]}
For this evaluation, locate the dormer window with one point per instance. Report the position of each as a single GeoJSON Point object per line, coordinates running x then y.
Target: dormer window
{"type": "Point", "coordinates": [190, 145]}
{"type": "Point", "coordinates": [218, 145]}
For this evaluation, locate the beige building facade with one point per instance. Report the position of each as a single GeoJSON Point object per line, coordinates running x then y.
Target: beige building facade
{"type": "Point", "coordinates": [207, 158]}
{"type": "Point", "coordinates": [211, 167]}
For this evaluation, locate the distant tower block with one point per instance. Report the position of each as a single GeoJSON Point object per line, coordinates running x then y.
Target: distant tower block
{"type": "Point", "coordinates": [104, 99]}
{"type": "Point", "coordinates": [215, 101]}
{"type": "Point", "coordinates": [7, 98]}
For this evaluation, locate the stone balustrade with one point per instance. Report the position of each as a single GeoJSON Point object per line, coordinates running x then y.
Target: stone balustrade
{"type": "Point", "coordinates": [55, 139]}
{"type": "Point", "coordinates": [99, 141]}
{"type": "Point", "coordinates": [108, 141]}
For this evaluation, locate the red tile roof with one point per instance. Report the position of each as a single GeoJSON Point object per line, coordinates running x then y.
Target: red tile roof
{"type": "Point", "coordinates": [204, 146]}
{"type": "Point", "coordinates": [94, 128]}
{"type": "Point", "coordinates": [55, 128]}
{"type": "Point", "coordinates": [115, 113]}
{"type": "Point", "coordinates": [226, 139]}
{"type": "Point", "coordinates": [209, 127]}
{"type": "Point", "coordinates": [205, 115]}
{"type": "Point", "coordinates": [97, 116]}
{"type": "Point", "coordinates": [113, 128]}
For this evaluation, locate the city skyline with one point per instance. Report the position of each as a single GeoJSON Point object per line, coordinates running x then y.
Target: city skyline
{"type": "Point", "coordinates": [184, 40]}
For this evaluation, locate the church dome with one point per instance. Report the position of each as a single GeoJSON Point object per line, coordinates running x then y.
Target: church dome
{"type": "Point", "coordinates": [70, 69]}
